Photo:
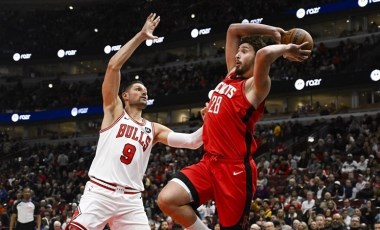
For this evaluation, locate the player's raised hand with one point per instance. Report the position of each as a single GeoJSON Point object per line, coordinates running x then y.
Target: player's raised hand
{"type": "Point", "coordinates": [297, 53]}
{"type": "Point", "coordinates": [150, 25]}
{"type": "Point", "coordinates": [277, 34]}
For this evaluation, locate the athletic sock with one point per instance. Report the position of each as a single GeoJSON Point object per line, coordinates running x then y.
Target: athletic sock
{"type": "Point", "coordinates": [198, 225]}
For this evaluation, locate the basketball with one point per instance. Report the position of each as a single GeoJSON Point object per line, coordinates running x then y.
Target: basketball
{"type": "Point", "coordinates": [297, 36]}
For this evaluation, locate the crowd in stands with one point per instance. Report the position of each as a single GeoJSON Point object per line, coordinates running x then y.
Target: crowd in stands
{"type": "Point", "coordinates": [182, 79]}
{"type": "Point", "coordinates": [302, 184]}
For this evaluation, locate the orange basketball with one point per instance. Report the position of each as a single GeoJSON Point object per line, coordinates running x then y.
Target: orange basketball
{"type": "Point", "coordinates": [297, 36]}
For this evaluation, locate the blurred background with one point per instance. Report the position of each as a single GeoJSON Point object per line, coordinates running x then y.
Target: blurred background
{"type": "Point", "coordinates": [54, 53]}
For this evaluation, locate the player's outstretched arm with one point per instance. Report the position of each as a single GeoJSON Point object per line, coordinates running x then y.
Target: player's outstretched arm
{"type": "Point", "coordinates": [167, 136]}
{"type": "Point", "coordinates": [238, 30]}
{"type": "Point", "coordinates": [258, 87]}
{"type": "Point", "coordinates": [112, 104]}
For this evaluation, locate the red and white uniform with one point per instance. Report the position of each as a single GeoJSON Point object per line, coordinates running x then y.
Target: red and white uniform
{"type": "Point", "coordinates": [227, 172]}
{"type": "Point", "coordinates": [113, 194]}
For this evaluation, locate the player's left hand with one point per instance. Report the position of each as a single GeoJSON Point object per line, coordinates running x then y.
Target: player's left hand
{"type": "Point", "coordinates": [150, 25]}
{"type": "Point", "coordinates": [277, 33]}
{"type": "Point", "coordinates": [297, 53]}
{"type": "Point", "coordinates": [204, 111]}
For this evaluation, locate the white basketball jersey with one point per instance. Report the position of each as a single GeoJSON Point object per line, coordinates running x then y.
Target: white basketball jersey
{"type": "Point", "coordinates": [123, 152]}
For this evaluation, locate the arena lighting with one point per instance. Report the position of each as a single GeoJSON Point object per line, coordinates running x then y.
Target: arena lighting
{"type": "Point", "coordinates": [150, 102]}
{"type": "Point", "coordinates": [108, 49]}
{"type": "Point", "coordinates": [301, 12]}
{"type": "Point", "coordinates": [137, 77]}
{"type": "Point", "coordinates": [364, 3]}
{"type": "Point", "coordinates": [300, 84]}
{"type": "Point", "coordinates": [375, 75]}
{"type": "Point", "coordinates": [195, 32]}
{"type": "Point", "coordinates": [75, 111]}
{"type": "Point", "coordinates": [150, 42]}
{"type": "Point", "coordinates": [18, 56]}
{"type": "Point", "coordinates": [257, 21]}
{"type": "Point", "coordinates": [16, 117]}
{"type": "Point", "coordinates": [62, 53]}
{"type": "Point", "coordinates": [327, 8]}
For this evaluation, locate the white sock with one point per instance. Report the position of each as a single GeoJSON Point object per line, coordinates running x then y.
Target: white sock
{"type": "Point", "coordinates": [198, 225]}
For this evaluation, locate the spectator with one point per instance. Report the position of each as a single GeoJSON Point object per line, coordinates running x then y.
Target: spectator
{"type": "Point", "coordinates": [355, 223]}
{"type": "Point", "coordinates": [337, 191]}
{"type": "Point", "coordinates": [346, 218]}
{"type": "Point", "coordinates": [321, 221]}
{"type": "Point", "coordinates": [360, 184]}
{"type": "Point", "coordinates": [309, 203]}
{"type": "Point", "coordinates": [337, 222]}
{"type": "Point", "coordinates": [347, 207]}
{"type": "Point", "coordinates": [348, 189]}
{"type": "Point", "coordinates": [321, 190]}
{"type": "Point", "coordinates": [291, 215]}
{"type": "Point", "coordinates": [57, 225]}
{"type": "Point", "coordinates": [350, 165]}
{"type": "Point", "coordinates": [362, 164]}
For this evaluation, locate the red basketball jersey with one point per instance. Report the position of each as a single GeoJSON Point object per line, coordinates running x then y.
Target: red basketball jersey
{"type": "Point", "coordinates": [229, 124]}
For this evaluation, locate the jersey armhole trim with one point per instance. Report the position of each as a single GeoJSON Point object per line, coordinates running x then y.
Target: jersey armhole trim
{"type": "Point", "coordinates": [117, 120]}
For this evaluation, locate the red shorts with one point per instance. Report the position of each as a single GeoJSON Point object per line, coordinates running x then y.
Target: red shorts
{"type": "Point", "coordinates": [231, 183]}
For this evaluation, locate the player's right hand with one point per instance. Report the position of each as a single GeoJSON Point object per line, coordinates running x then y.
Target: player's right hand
{"type": "Point", "coordinates": [150, 25]}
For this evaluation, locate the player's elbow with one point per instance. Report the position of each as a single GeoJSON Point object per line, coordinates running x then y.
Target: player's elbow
{"type": "Point", "coordinates": [195, 144]}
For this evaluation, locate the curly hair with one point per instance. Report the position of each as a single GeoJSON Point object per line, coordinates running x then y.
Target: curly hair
{"type": "Point", "coordinates": [256, 42]}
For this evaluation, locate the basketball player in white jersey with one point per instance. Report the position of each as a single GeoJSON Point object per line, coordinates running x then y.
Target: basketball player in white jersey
{"type": "Point", "coordinates": [113, 194]}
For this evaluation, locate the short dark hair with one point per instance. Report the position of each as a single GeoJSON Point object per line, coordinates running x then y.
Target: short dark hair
{"type": "Point", "coordinates": [256, 42]}
{"type": "Point", "coordinates": [129, 84]}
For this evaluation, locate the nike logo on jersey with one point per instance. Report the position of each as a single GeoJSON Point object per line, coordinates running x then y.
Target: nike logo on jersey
{"type": "Point", "coordinates": [237, 173]}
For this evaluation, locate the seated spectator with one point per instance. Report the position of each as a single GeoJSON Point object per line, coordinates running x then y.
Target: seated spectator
{"type": "Point", "coordinates": [262, 192]}
{"type": "Point", "coordinates": [346, 218]}
{"type": "Point", "coordinates": [291, 215]}
{"type": "Point", "coordinates": [294, 199]}
{"type": "Point", "coordinates": [360, 184]}
{"type": "Point", "coordinates": [337, 222]}
{"type": "Point", "coordinates": [321, 190]}
{"type": "Point", "coordinates": [337, 191]}
{"type": "Point", "coordinates": [348, 189]}
{"type": "Point", "coordinates": [309, 203]}
{"type": "Point", "coordinates": [262, 179]}
{"type": "Point", "coordinates": [350, 165]}
{"type": "Point", "coordinates": [283, 168]}
{"type": "Point", "coordinates": [365, 193]}
{"type": "Point", "coordinates": [292, 186]}
{"type": "Point", "coordinates": [355, 223]}
{"type": "Point", "coordinates": [321, 221]}
{"type": "Point", "coordinates": [362, 164]}
{"type": "Point", "coordinates": [57, 225]}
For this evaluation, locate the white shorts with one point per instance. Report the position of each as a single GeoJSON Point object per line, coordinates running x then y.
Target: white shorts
{"type": "Point", "coordinates": [100, 206]}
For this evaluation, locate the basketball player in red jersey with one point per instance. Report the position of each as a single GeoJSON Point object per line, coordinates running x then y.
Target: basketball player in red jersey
{"type": "Point", "coordinates": [227, 172]}
{"type": "Point", "coordinates": [113, 194]}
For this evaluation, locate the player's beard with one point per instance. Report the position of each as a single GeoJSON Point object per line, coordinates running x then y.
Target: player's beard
{"type": "Point", "coordinates": [240, 70]}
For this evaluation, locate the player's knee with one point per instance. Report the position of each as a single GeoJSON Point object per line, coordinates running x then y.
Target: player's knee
{"type": "Point", "coordinates": [172, 196]}
{"type": "Point", "coordinates": [164, 200]}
